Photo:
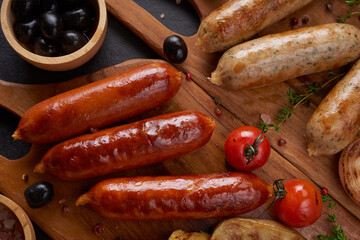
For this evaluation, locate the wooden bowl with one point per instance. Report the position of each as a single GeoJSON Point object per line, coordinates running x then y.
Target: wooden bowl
{"type": "Point", "coordinates": [24, 220]}
{"type": "Point", "coordinates": [61, 63]}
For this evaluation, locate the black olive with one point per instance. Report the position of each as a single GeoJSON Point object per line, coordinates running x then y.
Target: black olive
{"type": "Point", "coordinates": [26, 32]}
{"type": "Point", "coordinates": [51, 25]}
{"type": "Point", "coordinates": [46, 47]}
{"type": "Point", "coordinates": [78, 19]}
{"type": "Point", "coordinates": [50, 5]}
{"type": "Point", "coordinates": [39, 194]}
{"type": "Point", "coordinates": [27, 9]}
{"type": "Point", "coordinates": [175, 49]}
{"type": "Point", "coordinates": [72, 40]}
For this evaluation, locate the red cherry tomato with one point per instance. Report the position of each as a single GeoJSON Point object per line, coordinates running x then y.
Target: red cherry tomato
{"type": "Point", "coordinates": [235, 146]}
{"type": "Point", "coordinates": [301, 206]}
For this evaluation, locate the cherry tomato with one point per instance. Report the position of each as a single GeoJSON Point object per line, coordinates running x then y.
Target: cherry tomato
{"type": "Point", "coordinates": [301, 206]}
{"type": "Point", "coordinates": [235, 146]}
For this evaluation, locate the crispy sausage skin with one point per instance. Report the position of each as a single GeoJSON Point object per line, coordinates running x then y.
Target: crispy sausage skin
{"type": "Point", "coordinates": [129, 146]}
{"type": "Point", "coordinates": [99, 104]}
{"type": "Point", "coordinates": [177, 197]}
{"type": "Point", "coordinates": [236, 21]}
{"type": "Point", "coordinates": [336, 121]}
{"type": "Point", "coordinates": [283, 56]}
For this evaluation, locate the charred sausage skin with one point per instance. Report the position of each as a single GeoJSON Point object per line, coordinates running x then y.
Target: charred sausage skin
{"type": "Point", "coordinates": [99, 104]}
{"type": "Point", "coordinates": [236, 21]}
{"type": "Point", "coordinates": [336, 121]}
{"type": "Point", "coordinates": [177, 197]}
{"type": "Point", "coordinates": [283, 56]}
{"type": "Point", "coordinates": [129, 146]}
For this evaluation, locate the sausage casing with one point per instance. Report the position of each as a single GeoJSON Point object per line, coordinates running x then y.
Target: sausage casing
{"type": "Point", "coordinates": [177, 197]}
{"type": "Point", "coordinates": [336, 121]}
{"type": "Point", "coordinates": [236, 21]}
{"type": "Point", "coordinates": [99, 104]}
{"type": "Point", "coordinates": [129, 146]}
{"type": "Point", "coordinates": [283, 56]}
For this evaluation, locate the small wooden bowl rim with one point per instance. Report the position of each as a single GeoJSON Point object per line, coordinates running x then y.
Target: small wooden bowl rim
{"type": "Point", "coordinates": [24, 220]}
{"type": "Point", "coordinates": [101, 27]}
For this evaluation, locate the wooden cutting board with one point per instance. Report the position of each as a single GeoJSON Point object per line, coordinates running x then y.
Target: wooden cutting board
{"type": "Point", "coordinates": [238, 108]}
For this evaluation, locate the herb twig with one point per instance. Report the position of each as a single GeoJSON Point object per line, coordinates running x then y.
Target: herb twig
{"type": "Point", "coordinates": [295, 100]}
{"type": "Point", "coordinates": [349, 13]}
{"type": "Point", "coordinates": [337, 231]}
{"type": "Point", "coordinates": [352, 2]}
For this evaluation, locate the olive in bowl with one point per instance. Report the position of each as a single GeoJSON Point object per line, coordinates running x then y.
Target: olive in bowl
{"type": "Point", "coordinates": [36, 35]}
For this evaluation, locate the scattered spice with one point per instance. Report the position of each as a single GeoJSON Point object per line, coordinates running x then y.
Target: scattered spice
{"type": "Point", "coordinates": [265, 118]}
{"type": "Point", "coordinates": [218, 112]}
{"type": "Point", "coordinates": [178, 1]}
{"type": "Point", "coordinates": [305, 20]}
{"type": "Point", "coordinates": [93, 130]}
{"type": "Point", "coordinates": [324, 191]}
{"type": "Point", "coordinates": [329, 6]}
{"type": "Point", "coordinates": [99, 228]}
{"type": "Point", "coordinates": [65, 210]}
{"type": "Point", "coordinates": [294, 21]}
{"type": "Point", "coordinates": [162, 15]}
{"type": "Point", "coordinates": [208, 78]}
{"type": "Point", "coordinates": [116, 226]}
{"type": "Point", "coordinates": [281, 142]}
{"type": "Point", "coordinates": [25, 177]}
{"type": "Point", "coordinates": [61, 201]}
{"type": "Point", "coordinates": [188, 76]}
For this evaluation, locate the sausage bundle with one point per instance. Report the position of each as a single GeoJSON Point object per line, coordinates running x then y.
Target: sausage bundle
{"type": "Point", "coordinates": [177, 197]}
{"type": "Point", "coordinates": [336, 121]}
{"type": "Point", "coordinates": [129, 146]}
{"type": "Point", "coordinates": [238, 20]}
{"type": "Point", "coordinates": [99, 104]}
{"type": "Point", "coordinates": [283, 56]}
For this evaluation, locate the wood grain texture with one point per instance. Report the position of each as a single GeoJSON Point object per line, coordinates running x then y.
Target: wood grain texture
{"type": "Point", "coordinates": [238, 107]}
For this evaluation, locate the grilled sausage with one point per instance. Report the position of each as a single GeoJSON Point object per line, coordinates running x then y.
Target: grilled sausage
{"type": "Point", "coordinates": [236, 21]}
{"type": "Point", "coordinates": [129, 146]}
{"type": "Point", "coordinates": [99, 104]}
{"type": "Point", "coordinates": [336, 121]}
{"type": "Point", "coordinates": [279, 57]}
{"type": "Point", "coordinates": [177, 197]}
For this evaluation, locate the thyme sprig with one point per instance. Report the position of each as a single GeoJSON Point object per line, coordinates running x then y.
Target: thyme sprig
{"type": "Point", "coordinates": [352, 2]}
{"type": "Point", "coordinates": [295, 100]}
{"type": "Point", "coordinates": [349, 13]}
{"type": "Point", "coordinates": [337, 231]}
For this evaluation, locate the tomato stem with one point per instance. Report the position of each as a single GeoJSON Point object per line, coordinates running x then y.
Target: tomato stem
{"type": "Point", "coordinates": [279, 190]}
{"type": "Point", "coordinates": [251, 150]}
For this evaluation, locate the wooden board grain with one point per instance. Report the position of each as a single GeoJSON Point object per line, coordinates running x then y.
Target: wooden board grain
{"type": "Point", "coordinates": [238, 107]}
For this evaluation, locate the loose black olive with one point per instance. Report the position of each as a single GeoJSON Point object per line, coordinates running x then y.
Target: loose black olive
{"type": "Point", "coordinates": [46, 47]}
{"type": "Point", "coordinates": [27, 9]}
{"type": "Point", "coordinates": [39, 194]}
{"type": "Point", "coordinates": [175, 49]}
{"type": "Point", "coordinates": [78, 19]}
{"type": "Point", "coordinates": [26, 32]}
{"type": "Point", "coordinates": [51, 25]}
{"type": "Point", "coordinates": [72, 40]}
{"type": "Point", "coordinates": [50, 5]}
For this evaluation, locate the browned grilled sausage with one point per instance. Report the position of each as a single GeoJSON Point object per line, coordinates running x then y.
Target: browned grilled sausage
{"type": "Point", "coordinates": [176, 197]}
{"type": "Point", "coordinates": [129, 146]}
{"type": "Point", "coordinates": [99, 104]}
{"type": "Point", "coordinates": [336, 121]}
{"type": "Point", "coordinates": [238, 20]}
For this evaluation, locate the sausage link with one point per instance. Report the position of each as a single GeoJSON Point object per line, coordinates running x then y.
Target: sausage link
{"type": "Point", "coordinates": [177, 197]}
{"type": "Point", "coordinates": [129, 146]}
{"type": "Point", "coordinates": [99, 104]}
{"type": "Point", "coordinates": [236, 21]}
{"type": "Point", "coordinates": [336, 121]}
{"type": "Point", "coordinates": [283, 56]}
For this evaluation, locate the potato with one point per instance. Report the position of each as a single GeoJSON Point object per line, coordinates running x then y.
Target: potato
{"type": "Point", "coordinates": [181, 235]}
{"type": "Point", "coordinates": [251, 229]}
